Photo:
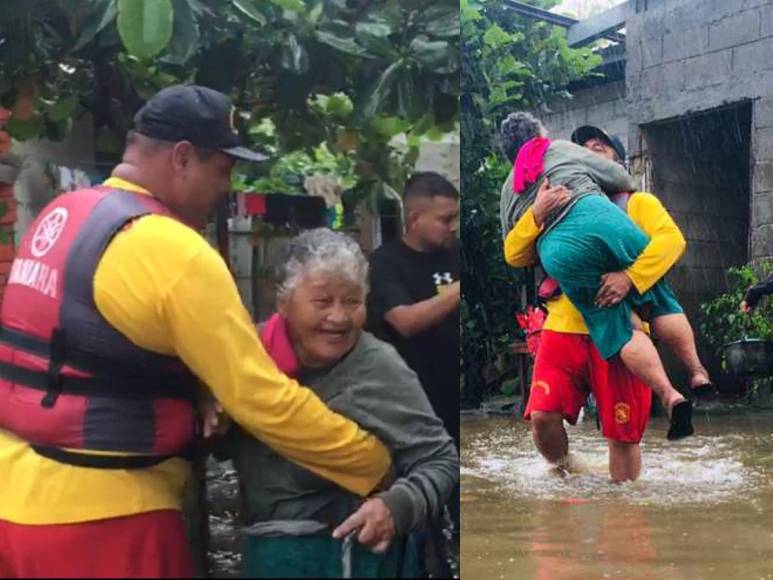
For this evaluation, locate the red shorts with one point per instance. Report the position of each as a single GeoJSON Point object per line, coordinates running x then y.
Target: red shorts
{"type": "Point", "coordinates": [569, 367]}
{"type": "Point", "coordinates": [149, 545]}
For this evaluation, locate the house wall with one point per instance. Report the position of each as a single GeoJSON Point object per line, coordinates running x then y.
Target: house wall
{"type": "Point", "coordinates": [694, 55]}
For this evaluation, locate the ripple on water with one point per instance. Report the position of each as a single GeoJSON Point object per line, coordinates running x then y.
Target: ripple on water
{"type": "Point", "coordinates": [699, 470]}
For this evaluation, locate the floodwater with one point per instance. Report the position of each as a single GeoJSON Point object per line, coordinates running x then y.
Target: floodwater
{"type": "Point", "coordinates": [702, 509]}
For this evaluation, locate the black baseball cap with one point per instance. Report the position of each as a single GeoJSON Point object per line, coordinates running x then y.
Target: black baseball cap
{"type": "Point", "coordinates": [582, 134]}
{"type": "Point", "coordinates": [201, 115]}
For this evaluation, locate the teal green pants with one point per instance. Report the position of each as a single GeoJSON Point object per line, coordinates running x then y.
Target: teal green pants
{"type": "Point", "coordinates": [596, 237]}
{"type": "Point", "coordinates": [321, 556]}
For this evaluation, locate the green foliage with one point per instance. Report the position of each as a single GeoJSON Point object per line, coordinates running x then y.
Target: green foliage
{"type": "Point", "coordinates": [351, 75]}
{"type": "Point", "coordinates": [722, 322]}
{"type": "Point", "coordinates": [509, 63]}
{"type": "Point", "coordinates": [145, 26]}
{"type": "Point", "coordinates": [289, 173]}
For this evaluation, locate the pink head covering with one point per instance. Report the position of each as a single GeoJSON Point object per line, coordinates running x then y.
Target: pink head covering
{"type": "Point", "coordinates": [529, 163]}
{"type": "Point", "coordinates": [277, 343]}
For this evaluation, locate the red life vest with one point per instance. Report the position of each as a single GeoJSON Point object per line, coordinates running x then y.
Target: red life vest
{"type": "Point", "coordinates": [68, 379]}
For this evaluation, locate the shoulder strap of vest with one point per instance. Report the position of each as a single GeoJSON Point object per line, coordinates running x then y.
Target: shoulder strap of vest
{"type": "Point", "coordinates": [89, 333]}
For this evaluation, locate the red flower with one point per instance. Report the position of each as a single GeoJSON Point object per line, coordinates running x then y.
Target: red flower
{"type": "Point", "coordinates": [531, 322]}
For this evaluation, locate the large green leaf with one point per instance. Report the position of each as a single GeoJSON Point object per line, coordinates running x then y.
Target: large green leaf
{"type": "Point", "coordinates": [145, 26]}
{"type": "Point", "coordinates": [24, 130]}
{"type": "Point", "coordinates": [341, 39]}
{"type": "Point", "coordinates": [495, 36]}
{"type": "Point", "coordinates": [439, 56]}
{"type": "Point", "coordinates": [63, 109]}
{"type": "Point", "coordinates": [378, 94]}
{"type": "Point", "coordinates": [201, 9]}
{"type": "Point", "coordinates": [441, 21]}
{"type": "Point", "coordinates": [424, 124]}
{"type": "Point", "coordinates": [101, 13]}
{"type": "Point", "coordinates": [388, 127]}
{"type": "Point", "coordinates": [375, 38]}
{"type": "Point", "coordinates": [250, 9]}
{"type": "Point", "coordinates": [338, 105]}
{"type": "Point", "coordinates": [469, 11]}
{"type": "Point", "coordinates": [293, 5]}
{"type": "Point", "coordinates": [185, 37]}
{"type": "Point", "coordinates": [509, 66]}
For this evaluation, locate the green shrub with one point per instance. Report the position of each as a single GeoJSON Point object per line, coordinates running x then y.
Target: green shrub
{"type": "Point", "coordinates": [723, 322]}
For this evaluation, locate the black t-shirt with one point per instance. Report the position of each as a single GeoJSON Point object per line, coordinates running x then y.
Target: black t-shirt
{"type": "Point", "coordinates": [400, 275]}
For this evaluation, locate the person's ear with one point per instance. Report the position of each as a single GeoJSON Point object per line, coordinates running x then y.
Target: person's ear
{"type": "Point", "coordinates": [182, 153]}
{"type": "Point", "coordinates": [281, 307]}
{"type": "Point", "coordinates": [413, 216]}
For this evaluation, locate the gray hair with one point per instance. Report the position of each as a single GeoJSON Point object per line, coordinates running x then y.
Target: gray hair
{"type": "Point", "coordinates": [517, 129]}
{"type": "Point", "coordinates": [321, 250]}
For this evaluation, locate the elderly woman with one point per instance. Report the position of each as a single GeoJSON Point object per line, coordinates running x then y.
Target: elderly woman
{"type": "Point", "coordinates": [317, 336]}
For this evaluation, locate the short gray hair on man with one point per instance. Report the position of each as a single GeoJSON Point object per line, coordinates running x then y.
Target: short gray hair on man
{"type": "Point", "coordinates": [517, 129]}
{"type": "Point", "coordinates": [321, 250]}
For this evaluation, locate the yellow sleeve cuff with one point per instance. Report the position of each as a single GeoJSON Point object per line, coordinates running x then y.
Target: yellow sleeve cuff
{"type": "Point", "coordinates": [520, 250]}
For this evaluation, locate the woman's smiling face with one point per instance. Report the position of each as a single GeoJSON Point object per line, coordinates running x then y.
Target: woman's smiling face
{"type": "Point", "coordinates": [325, 314]}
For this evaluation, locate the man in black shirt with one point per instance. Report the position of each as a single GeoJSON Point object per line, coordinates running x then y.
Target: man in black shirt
{"type": "Point", "coordinates": [415, 295]}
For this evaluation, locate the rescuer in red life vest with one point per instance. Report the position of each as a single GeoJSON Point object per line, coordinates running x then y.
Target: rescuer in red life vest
{"type": "Point", "coordinates": [115, 311]}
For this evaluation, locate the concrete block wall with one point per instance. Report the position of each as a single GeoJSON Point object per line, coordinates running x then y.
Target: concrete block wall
{"type": "Point", "coordinates": [761, 217]}
{"type": "Point", "coordinates": [685, 56]}
{"type": "Point", "coordinates": [693, 55]}
{"type": "Point", "coordinates": [603, 106]}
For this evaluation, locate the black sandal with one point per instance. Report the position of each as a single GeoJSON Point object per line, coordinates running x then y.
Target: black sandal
{"type": "Point", "coordinates": [704, 392]}
{"type": "Point", "coordinates": [681, 421]}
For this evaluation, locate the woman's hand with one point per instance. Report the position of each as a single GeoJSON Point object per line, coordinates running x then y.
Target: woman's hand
{"type": "Point", "coordinates": [614, 287]}
{"type": "Point", "coordinates": [547, 199]}
{"type": "Point", "coordinates": [374, 520]}
{"type": "Point", "coordinates": [215, 421]}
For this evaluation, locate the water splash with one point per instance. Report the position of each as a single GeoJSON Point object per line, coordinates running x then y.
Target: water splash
{"type": "Point", "coordinates": [700, 470]}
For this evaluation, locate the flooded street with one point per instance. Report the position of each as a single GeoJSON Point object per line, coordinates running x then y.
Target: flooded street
{"type": "Point", "coordinates": [703, 508]}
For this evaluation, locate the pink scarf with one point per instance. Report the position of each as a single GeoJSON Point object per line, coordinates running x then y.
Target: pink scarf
{"type": "Point", "coordinates": [529, 163]}
{"type": "Point", "coordinates": [276, 341]}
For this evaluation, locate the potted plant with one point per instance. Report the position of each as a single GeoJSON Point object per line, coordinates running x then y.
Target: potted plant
{"type": "Point", "coordinates": [744, 341]}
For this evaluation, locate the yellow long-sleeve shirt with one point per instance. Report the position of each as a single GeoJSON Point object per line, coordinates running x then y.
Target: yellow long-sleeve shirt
{"type": "Point", "coordinates": [666, 246]}
{"type": "Point", "coordinates": [164, 287]}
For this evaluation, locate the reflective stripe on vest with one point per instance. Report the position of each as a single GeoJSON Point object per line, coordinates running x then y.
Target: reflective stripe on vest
{"type": "Point", "coordinates": [68, 379]}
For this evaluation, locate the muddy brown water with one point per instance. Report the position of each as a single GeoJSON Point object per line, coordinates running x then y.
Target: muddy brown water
{"type": "Point", "coordinates": [702, 509]}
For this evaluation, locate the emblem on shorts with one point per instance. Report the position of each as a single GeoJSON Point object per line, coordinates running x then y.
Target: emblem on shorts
{"type": "Point", "coordinates": [622, 413]}
{"type": "Point", "coordinates": [545, 387]}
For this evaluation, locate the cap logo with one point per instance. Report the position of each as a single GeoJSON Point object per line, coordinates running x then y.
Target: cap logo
{"type": "Point", "coordinates": [232, 121]}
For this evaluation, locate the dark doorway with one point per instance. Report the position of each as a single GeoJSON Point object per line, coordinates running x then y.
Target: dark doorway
{"type": "Point", "coordinates": [700, 170]}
